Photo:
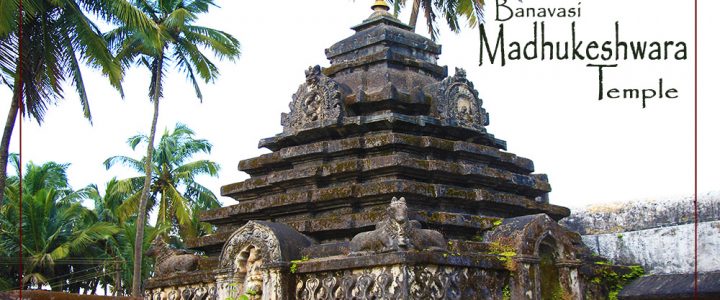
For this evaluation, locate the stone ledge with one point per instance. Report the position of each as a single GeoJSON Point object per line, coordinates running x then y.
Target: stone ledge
{"type": "Point", "coordinates": [643, 214]}
{"type": "Point", "coordinates": [484, 261]}
{"type": "Point", "coordinates": [372, 142]}
{"type": "Point", "coordinates": [180, 279]}
{"type": "Point", "coordinates": [312, 201]}
{"type": "Point", "coordinates": [390, 30]}
{"type": "Point", "coordinates": [662, 250]}
{"type": "Point", "coordinates": [466, 174]}
{"type": "Point", "coordinates": [673, 286]}
{"type": "Point", "coordinates": [424, 125]}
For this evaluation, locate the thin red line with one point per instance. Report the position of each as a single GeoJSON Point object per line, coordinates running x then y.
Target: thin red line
{"type": "Point", "coordinates": [20, 106]}
{"type": "Point", "coordinates": [695, 200]}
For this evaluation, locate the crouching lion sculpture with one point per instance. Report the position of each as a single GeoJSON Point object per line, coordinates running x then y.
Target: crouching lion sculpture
{"type": "Point", "coordinates": [169, 260]}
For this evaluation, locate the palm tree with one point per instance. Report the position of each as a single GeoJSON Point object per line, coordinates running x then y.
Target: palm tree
{"type": "Point", "coordinates": [57, 37]}
{"type": "Point", "coordinates": [451, 10]}
{"type": "Point", "coordinates": [173, 188]}
{"type": "Point", "coordinates": [60, 234]}
{"type": "Point", "coordinates": [119, 248]}
{"type": "Point", "coordinates": [179, 40]}
{"type": "Point", "coordinates": [106, 210]}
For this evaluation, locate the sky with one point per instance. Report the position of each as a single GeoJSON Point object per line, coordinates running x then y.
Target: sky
{"type": "Point", "coordinates": [593, 151]}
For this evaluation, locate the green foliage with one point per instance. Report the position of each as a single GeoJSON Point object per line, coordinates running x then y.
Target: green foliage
{"type": "Point", "coordinates": [505, 253]}
{"type": "Point", "coordinates": [65, 245]}
{"type": "Point", "coordinates": [453, 11]}
{"type": "Point", "coordinates": [506, 292]}
{"type": "Point", "coordinates": [606, 275]}
{"type": "Point", "coordinates": [176, 194]}
{"type": "Point", "coordinates": [59, 37]}
{"type": "Point", "coordinates": [478, 237]}
{"type": "Point", "coordinates": [294, 263]}
{"type": "Point", "coordinates": [174, 40]}
{"type": "Point", "coordinates": [559, 293]}
{"type": "Point", "coordinates": [247, 296]}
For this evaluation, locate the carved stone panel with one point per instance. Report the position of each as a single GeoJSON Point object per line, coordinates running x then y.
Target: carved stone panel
{"type": "Point", "coordinates": [375, 283]}
{"type": "Point", "coordinates": [252, 258]}
{"type": "Point", "coordinates": [403, 282]}
{"type": "Point", "coordinates": [197, 291]}
{"type": "Point", "coordinates": [253, 233]}
{"type": "Point", "coordinates": [317, 102]}
{"type": "Point", "coordinates": [456, 102]}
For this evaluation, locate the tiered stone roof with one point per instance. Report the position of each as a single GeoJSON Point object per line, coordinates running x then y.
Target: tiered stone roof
{"type": "Point", "coordinates": [383, 120]}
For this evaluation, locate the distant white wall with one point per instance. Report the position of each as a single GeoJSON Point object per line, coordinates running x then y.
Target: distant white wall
{"type": "Point", "coordinates": [655, 233]}
{"type": "Point", "coordinates": [666, 250]}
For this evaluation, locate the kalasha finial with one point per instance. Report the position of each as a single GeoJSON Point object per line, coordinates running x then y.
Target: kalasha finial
{"type": "Point", "coordinates": [380, 6]}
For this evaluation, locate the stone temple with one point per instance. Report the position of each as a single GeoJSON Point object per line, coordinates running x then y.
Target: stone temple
{"type": "Point", "coordinates": [385, 184]}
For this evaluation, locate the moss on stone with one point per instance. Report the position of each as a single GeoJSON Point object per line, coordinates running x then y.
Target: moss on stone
{"type": "Point", "coordinates": [506, 254]}
{"type": "Point", "coordinates": [606, 274]}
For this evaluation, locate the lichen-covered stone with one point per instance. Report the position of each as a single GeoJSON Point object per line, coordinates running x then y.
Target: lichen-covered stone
{"type": "Point", "coordinates": [320, 218]}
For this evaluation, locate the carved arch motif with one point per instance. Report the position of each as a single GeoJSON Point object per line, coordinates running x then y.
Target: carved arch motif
{"type": "Point", "coordinates": [546, 256]}
{"type": "Point", "coordinates": [317, 101]}
{"type": "Point", "coordinates": [529, 232]}
{"type": "Point", "coordinates": [457, 102]}
{"type": "Point", "coordinates": [255, 234]}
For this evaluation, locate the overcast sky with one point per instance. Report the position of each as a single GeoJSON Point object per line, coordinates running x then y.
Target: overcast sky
{"type": "Point", "coordinates": [593, 151]}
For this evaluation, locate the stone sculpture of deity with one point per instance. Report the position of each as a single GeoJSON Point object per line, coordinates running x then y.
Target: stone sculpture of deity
{"type": "Point", "coordinates": [252, 287]}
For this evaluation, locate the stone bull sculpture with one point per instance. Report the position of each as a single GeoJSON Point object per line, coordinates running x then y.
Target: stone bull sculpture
{"type": "Point", "coordinates": [397, 233]}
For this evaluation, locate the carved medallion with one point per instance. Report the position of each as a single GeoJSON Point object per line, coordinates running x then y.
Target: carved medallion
{"type": "Point", "coordinates": [317, 101]}
{"type": "Point", "coordinates": [456, 102]}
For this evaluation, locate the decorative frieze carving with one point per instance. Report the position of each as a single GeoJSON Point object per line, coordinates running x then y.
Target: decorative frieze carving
{"type": "Point", "coordinates": [377, 283]}
{"type": "Point", "coordinates": [403, 282]}
{"type": "Point", "coordinates": [205, 291]}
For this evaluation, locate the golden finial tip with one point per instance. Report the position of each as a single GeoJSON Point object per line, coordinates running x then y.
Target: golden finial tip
{"type": "Point", "coordinates": [380, 5]}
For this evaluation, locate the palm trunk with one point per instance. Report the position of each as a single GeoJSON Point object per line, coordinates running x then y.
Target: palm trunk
{"type": "Point", "coordinates": [140, 226]}
{"type": "Point", "coordinates": [7, 134]}
{"type": "Point", "coordinates": [414, 13]}
{"type": "Point", "coordinates": [117, 279]}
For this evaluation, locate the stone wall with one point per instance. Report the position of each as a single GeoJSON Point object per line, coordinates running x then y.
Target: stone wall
{"type": "Point", "coordinates": [665, 250]}
{"type": "Point", "coordinates": [657, 234]}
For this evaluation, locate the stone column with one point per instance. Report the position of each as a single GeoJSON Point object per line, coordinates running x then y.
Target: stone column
{"type": "Point", "coordinates": [526, 283]}
{"type": "Point", "coordinates": [224, 285]}
{"type": "Point", "coordinates": [569, 280]}
{"type": "Point", "coordinates": [275, 285]}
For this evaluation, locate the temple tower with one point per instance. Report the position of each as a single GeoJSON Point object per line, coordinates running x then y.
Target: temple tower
{"type": "Point", "coordinates": [386, 184]}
